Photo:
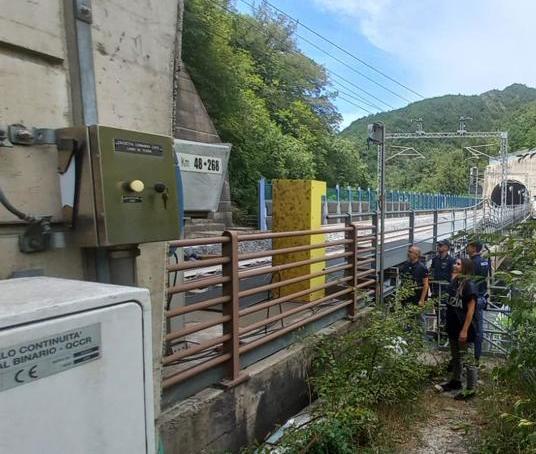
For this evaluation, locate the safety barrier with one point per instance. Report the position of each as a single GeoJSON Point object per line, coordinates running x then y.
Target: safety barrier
{"type": "Point", "coordinates": [341, 200]}
{"type": "Point", "coordinates": [225, 301]}
{"type": "Point", "coordinates": [231, 308]}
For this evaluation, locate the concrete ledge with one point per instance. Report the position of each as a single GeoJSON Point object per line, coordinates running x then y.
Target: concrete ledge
{"type": "Point", "coordinates": [216, 421]}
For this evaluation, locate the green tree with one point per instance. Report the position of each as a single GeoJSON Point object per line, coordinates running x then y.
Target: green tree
{"type": "Point", "coordinates": [266, 98]}
{"type": "Point", "coordinates": [445, 167]}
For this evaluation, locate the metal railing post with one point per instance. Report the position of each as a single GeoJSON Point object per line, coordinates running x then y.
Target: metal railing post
{"type": "Point", "coordinates": [474, 215]}
{"type": "Point", "coordinates": [352, 247]}
{"type": "Point", "coordinates": [360, 200]}
{"type": "Point", "coordinates": [453, 222]}
{"type": "Point", "coordinates": [436, 216]}
{"type": "Point", "coordinates": [338, 195]}
{"type": "Point", "coordinates": [325, 209]}
{"type": "Point", "coordinates": [232, 309]}
{"type": "Point", "coordinates": [262, 205]}
{"type": "Point", "coordinates": [376, 246]}
{"type": "Point", "coordinates": [411, 232]}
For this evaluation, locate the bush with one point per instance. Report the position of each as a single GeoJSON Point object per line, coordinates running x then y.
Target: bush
{"type": "Point", "coordinates": [355, 374]}
{"type": "Point", "coordinates": [510, 402]}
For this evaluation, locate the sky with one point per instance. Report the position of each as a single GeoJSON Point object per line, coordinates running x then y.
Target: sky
{"type": "Point", "coordinates": [434, 47]}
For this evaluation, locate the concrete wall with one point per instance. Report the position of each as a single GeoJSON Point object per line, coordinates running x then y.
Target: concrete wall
{"type": "Point", "coordinates": [520, 168]}
{"type": "Point", "coordinates": [217, 421]}
{"type": "Point", "coordinates": [35, 91]}
{"type": "Point", "coordinates": [133, 49]}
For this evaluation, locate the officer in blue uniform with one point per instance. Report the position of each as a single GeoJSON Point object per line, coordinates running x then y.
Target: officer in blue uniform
{"type": "Point", "coordinates": [415, 273]}
{"type": "Point", "coordinates": [441, 270]}
{"type": "Point", "coordinates": [482, 269]}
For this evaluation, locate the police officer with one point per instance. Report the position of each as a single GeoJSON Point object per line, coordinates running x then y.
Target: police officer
{"type": "Point", "coordinates": [441, 270]}
{"type": "Point", "coordinates": [482, 269]}
{"type": "Point", "coordinates": [416, 273]}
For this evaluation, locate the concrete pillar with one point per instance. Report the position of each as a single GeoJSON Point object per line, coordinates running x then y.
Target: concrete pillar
{"type": "Point", "coordinates": [297, 205]}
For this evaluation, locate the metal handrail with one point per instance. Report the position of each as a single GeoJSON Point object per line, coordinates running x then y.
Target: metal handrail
{"type": "Point", "coordinates": [234, 330]}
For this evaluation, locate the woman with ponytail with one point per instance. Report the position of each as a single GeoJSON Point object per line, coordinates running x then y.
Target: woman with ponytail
{"type": "Point", "coordinates": [462, 323]}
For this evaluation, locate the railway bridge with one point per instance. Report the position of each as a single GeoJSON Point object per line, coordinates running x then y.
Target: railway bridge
{"type": "Point", "coordinates": [238, 301]}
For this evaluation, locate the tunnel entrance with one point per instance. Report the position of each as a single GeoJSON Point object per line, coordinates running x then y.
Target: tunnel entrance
{"type": "Point", "coordinates": [516, 193]}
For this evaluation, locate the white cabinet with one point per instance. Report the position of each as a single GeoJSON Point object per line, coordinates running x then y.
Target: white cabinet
{"type": "Point", "coordinates": [75, 368]}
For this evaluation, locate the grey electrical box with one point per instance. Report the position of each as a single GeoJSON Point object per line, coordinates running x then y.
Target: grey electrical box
{"type": "Point", "coordinates": [118, 186]}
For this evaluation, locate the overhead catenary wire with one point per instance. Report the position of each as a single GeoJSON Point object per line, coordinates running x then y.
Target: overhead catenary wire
{"type": "Point", "coordinates": [337, 75]}
{"type": "Point", "coordinates": [351, 68]}
{"type": "Point", "coordinates": [353, 104]}
{"type": "Point", "coordinates": [345, 93]}
{"type": "Point", "coordinates": [329, 71]}
{"type": "Point", "coordinates": [354, 95]}
{"type": "Point", "coordinates": [337, 59]}
{"type": "Point", "coordinates": [342, 49]}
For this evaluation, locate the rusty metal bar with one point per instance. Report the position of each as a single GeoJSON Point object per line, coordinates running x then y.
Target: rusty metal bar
{"type": "Point", "coordinates": [271, 235]}
{"type": "Point", "coordinates": [265, 339]}
{"type": "Point", "coordinates": [352, 248]}
{"type": "Point", "coordinates": [197, 306]}
{"type": "Point", "coordinates": [296, 310]}
{"type": "Point", "coordinates": [363, 239]}
{"type": "Point", "coordinates": [195, 328]}
{"type": "Point", "coordinates": [366, 249]}
{"type": "Point", "coordinates": [190, 265]}
{"type": "Point", "coordinates": [192, 372]}
{"type": "Point", "coordinates": [289, 250]}
{"type": "Point", "coordinates": [366, 227]}
{"type": "Point", "coordinates": [231, 289]}
{"type": "Point", "coordinates": [199, 241]}
{"type": "Point", "coordinates": [277, 268]}
{"type": "Point", "coordinates": [196, 284]}
{"type": "Point", "coordinates": [363, 274]}
{"type": "Point", "coordinates": [294, 280]}
{"type": "Point", "coordinates": [287, 298]}
{"type": "Point", "coordinates": [364, 262]}
{"type": "Point", "coordinates": [193, 350]}
{"type": "Point", "coordinates": [366, 283]}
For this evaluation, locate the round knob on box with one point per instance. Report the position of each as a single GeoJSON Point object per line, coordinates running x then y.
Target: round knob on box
{"type": "Point", "coordinates": [136, 186]}
{"type": "Point", "coordinates": [159, 187]}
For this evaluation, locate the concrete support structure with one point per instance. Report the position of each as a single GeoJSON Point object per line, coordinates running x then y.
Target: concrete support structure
{"type": "Point", "coordinates": [133, 53]}
{"type": "Point", "coordinates": [297, 205]}
{"type": "Point", "coordinates": [521, 168]}
{"type": "Point", "coordinates": [217, 420]}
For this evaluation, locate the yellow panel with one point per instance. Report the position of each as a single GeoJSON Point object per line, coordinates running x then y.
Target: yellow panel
{"type": "Point", "coordinates": [297, 205]}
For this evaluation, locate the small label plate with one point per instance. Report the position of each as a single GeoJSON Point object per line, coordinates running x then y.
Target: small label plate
{"type": "Point", "coordinates": [132, 199]}
{"type": "Point", "coordinates": [132, 146]}
{"type": "Point", "coordinates": [202, 164]}
{"type": "Point", "coordinates": [38, 358]}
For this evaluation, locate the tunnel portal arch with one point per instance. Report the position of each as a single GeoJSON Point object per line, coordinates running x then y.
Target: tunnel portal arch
{"type": "Point", "coordinates": [516, 193]}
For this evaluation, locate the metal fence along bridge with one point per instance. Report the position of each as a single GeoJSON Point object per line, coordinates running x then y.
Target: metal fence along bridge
{"type": "Point", "coordinates": [240, 302]}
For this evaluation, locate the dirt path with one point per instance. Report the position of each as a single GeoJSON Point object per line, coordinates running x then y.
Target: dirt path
{"type": "Point", "coordinates": [448, 429]}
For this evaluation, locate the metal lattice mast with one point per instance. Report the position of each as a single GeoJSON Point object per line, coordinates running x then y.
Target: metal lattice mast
{"type": "Point", "coordinates": [462, 133]}
{"type": "Point", "coordinates": [504, 172]}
